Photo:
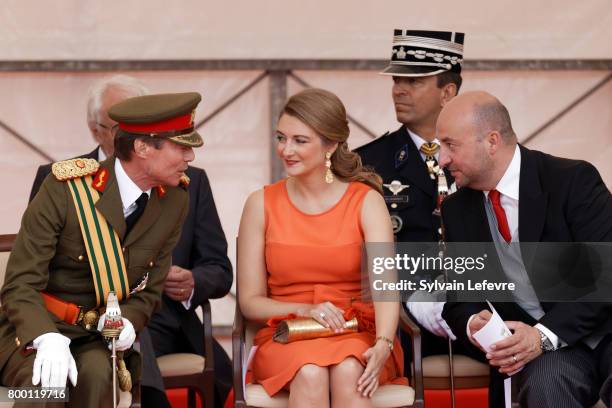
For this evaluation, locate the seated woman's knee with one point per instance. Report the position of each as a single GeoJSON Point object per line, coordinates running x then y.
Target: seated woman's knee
{"type": "Point", "coordinates": [349, 368]}
{"type": "Point", "coordinates": [311, 375]}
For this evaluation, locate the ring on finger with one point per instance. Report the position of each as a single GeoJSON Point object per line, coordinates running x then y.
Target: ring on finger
{"type": "Point", "coordinates": [514, 358]}
{"type": "Point", "coordinates": [322, 315]}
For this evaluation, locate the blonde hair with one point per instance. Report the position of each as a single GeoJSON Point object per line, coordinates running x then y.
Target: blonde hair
{"type": "Point", "coordinates": [324, 112]}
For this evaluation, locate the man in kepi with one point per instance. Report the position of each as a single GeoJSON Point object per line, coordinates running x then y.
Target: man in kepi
{"type": "Point", "coordinates": [91, 229]}
{"type": "Point", "coordinates": [426, 71]}
{"type": "Point", "coordinates": [510, 195]}
{"type": "Point", "coordinates": [200, 267]}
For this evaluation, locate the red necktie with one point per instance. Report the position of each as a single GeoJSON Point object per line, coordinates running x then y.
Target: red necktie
{"type": "Point", "coordinates": [500, 214]}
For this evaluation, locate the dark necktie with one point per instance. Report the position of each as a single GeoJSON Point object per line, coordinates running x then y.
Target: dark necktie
{"type": "Point", "coordinates": [500, 214]}
{"type": "Point", "coordinates": [131, 219]}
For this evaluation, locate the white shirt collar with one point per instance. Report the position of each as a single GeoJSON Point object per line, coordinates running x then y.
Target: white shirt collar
{"type": "Point", "coordinates": [509, 183]}
{"type": "Point", "coordinates": [128, 190]}
{"type": "Point", "coordinates": [419, 141]}
{"type": "Point", "coordinates": [101, 155]}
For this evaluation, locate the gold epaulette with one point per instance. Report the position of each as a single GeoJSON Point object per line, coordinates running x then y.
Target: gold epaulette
{"type": "Point", "coordinates": [74, 168]}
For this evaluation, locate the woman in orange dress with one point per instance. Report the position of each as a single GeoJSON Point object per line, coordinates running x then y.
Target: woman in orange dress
{"type": "Point", "coordinates": [300, 245]}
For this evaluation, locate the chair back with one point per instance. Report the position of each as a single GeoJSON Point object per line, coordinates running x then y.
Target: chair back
{"type": "Point", "coordinates": [6, 245]}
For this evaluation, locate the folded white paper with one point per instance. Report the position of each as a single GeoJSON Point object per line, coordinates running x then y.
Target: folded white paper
{"type": "Point", "coordinates": [492, 332]}
{"type": "Point", "coordinates": [496, 330]}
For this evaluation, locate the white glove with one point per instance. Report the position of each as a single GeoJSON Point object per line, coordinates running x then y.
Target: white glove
{"type": "Point", "coordinates": [126, 337]}
{"type": "Point", "coordinates": [53, 362]}
{"type": "Point", "coordinates": [429, 315]}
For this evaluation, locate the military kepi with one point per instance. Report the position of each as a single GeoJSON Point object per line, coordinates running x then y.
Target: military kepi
{"type": "Point", "coordinates": [419, 53]}
{"type": "Point", "coordinates": [167, 116]}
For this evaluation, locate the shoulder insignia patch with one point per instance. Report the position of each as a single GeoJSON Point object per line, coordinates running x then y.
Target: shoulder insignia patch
{"type": "Point", "coordinates": [184, 182]}
{"type": "Point", "coordinates": [99, 181]}
{"type": "Point", "coordinates": [74, 168]}
{"type": "Point", "coordinates": [161, 191]}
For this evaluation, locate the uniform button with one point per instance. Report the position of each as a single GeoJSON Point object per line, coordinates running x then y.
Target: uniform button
{"type": "Point", "coordinates": [81, 257]}
{"type": "Point", "coordinates": [393, 205]}
{"type": "Point", "coordinates": [151, 264]}
{"type": "Point", "coordinates": [440, 231]}
{"type": "Point", "coordinates": [17, 342]}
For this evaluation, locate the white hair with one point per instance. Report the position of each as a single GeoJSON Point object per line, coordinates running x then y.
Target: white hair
{"type": "Point", "coordinates": [130, 86]}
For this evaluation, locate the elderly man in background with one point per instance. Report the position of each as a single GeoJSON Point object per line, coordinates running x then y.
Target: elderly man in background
{"type": "Point", "coordinates": [102, 95]}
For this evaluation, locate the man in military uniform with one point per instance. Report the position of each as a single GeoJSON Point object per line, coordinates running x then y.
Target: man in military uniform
{"type": "Point", "coordinates": [200, 267]}
{"type": "Point", "coordinates": [94, 228]}
{"type": "Point", "coordinates": [426, 71]}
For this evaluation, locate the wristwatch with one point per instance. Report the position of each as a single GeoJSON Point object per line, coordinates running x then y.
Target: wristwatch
{"type": "Point", "coordinates": [545, 343]}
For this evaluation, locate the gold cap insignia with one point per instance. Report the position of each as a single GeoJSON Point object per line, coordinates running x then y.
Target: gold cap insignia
{"type": "Point", "coordinates": [74, 168]}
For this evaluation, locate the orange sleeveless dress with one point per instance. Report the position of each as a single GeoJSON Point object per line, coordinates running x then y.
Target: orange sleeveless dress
{"type": "Point", "coordinates": [313, 259]}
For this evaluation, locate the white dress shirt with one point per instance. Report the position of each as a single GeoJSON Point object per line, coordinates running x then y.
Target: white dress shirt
{"type": "Point", "coordinates": [101, 154]}
{"type": "Point", "coordinates": [129, 192]}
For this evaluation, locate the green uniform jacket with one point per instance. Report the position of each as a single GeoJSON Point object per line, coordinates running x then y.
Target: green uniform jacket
{"type": "Point", "coordinates": [49, 255]}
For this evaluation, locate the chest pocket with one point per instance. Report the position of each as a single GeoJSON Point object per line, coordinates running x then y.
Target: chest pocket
{"type": "Point", "coordinates": [70, 253]}
{"type": "Point", "coordinates": [140, 258]}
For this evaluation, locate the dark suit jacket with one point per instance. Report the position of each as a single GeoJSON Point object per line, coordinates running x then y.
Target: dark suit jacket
{"type": "Point", "coordinates": [202, 248]}
{"type": "Point", "coordinates": [395, 157]}
{"type": "Point", "coordinates": [560, 200]}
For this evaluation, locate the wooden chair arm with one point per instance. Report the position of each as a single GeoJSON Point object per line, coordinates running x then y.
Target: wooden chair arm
{"type": "Point", "coordinates": [209, 362]}
{"type": "Point", "coordinates": [6, 242]}
{"type": "Point", "coordinates": [411, 328]}
{"type": "Point", "coordinates": [238, 339]}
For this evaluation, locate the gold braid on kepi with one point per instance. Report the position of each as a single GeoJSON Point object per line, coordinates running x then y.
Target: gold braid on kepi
{"type": "Point", "coordinates": [74, 168]}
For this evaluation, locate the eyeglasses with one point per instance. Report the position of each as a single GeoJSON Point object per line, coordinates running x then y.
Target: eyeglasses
{"type": "Point", "coordinates": [111, 129]}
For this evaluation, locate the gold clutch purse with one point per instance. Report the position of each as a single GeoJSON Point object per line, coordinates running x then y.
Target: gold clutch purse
{"type": "Point", "coordinates": [306, 328]}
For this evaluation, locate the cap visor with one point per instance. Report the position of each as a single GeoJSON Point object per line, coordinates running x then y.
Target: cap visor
{"type": "Point", "coordinates": [192, 139]}
{"type": "Point", "coordinates": [414, 71]}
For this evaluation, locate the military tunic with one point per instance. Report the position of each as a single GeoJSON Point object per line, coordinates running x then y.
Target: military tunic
{"type": "Point", "coordinates": [49, 255]}
{"type": "Point", "coordinates": [395, 157]}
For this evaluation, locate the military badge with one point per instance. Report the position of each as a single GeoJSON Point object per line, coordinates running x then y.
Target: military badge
{"type": "Point", "coordinates": [161, 191]}
{"type": "Point", "coordinates": [442, 191]}
{"type": "Point", "coordinates": [397, 223]}
{"type": "Point", "coordinates": [401, 155]}
{"type": "Point", "coordinates": [99, 181]}
{"type": "Point", "coordinates": [184, 181]}
{"type": "Point", "coordinates": [74, 168]}
{"type": "Point", "coordinates": [141, 284]}
{"type": "Point", "coordinates": [396, 187]}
